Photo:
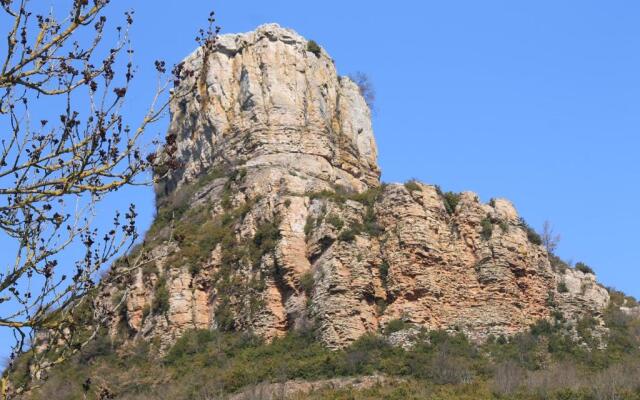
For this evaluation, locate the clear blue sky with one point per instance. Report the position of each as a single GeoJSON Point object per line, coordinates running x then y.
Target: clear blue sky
{"type": "Point", "coordinates": [538, 102]}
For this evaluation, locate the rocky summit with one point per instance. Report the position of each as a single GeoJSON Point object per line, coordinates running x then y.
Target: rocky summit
{"type": "Point", "coordinates": [275, 219]}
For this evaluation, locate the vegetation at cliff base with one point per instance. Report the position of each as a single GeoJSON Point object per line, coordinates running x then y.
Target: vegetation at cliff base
{"type": "Point", "coordinates": [547, 362]}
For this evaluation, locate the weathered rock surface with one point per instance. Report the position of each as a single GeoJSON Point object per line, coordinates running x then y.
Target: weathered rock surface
{"type": "Point", "coordinates": [580, 294]}
{"type": "Point", "coordinates": [277, 219]}
{"type": "Point", "coordinates": [264, 101]}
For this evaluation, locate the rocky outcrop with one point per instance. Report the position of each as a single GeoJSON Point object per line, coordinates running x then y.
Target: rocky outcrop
{"type": "Point", "coordinates": [276, 219]}
{"type": "Point", "coordinates": [579, 294]}
{"type": "Point", "coordinates": [444, 274]}
{"type": "Point", "coordinates": [263, 101]}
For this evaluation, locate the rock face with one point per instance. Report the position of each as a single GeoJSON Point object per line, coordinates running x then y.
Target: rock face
{"type": "Point", "coordinates": [579, 293]}
{"type": "Point", "coordinates": [276, 219]}
{"type": "Point", "coordinates": [263, 101]}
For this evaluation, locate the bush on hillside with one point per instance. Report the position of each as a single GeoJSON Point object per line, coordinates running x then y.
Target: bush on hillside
{"type": "Point", "coordinates": [582, 267]}
{"type": "Point", "coordinates": [487, 228]}
{"type": "Point", "coordinates": [314, 48]}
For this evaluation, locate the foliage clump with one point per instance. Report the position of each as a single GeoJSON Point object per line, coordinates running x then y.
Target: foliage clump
{"type": "Point", "coordinates": [314, 48]}
{"type": "Point", "coordinates": [396, 325]}
{"type": "Point", "coordinates": [335, 221]}
{"type": "Point", "coordinates": [309, 225]}
{"type": "Point", "coordinates": [349, 235]}
{"type": "Point", "coordinates": [160, 303]}
{"type": "Point", "coordinates": [504, 226]}
{"type": "Point", "coordinates": [557, 264]}
{"type": "Point", "coordinates": [533, 236]}
{"type": "Point", "coordinates": [584, 268]}
{"type": "Point", "coordinates": [562, 287]}
{"type": "Point", "coordinates": [338, 194]}
{"type": "Point", "coordinates": [384, 272]}
{"type": "Point", "coordinates": [306, 282]}
{"type": "Point", "coordinates": [487, 228]}
{"type": "Point", "coordinates": [368, 197]}
{"type": "Point", "coordinates": [412, 185]}
{"type": "Point", "coordinates": [450, 199]}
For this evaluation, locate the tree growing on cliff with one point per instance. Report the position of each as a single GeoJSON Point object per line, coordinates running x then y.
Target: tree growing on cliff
{"type": "Point", "coordinates": [366, 88]}
{"type": "Point", "coordinates": [65, 144]}
{"type": "Point", "coordinates": [550, 239]}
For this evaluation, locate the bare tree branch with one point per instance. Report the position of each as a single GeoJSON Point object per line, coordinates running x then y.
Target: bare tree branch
{"type": "Point", "coordinates": [550, 239]}
{"type": "Point", "coordinates": [55, 170]}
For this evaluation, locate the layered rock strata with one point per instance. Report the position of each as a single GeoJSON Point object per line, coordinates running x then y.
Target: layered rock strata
{"type": "Point", "coordinates": [276, 219]}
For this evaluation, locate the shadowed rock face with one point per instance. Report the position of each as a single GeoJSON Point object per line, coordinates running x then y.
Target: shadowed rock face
{"type": "Point", "coordinates": [282, 206]}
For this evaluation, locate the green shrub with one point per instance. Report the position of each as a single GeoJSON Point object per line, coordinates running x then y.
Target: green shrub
{"type": "Point", "coordinates": [384, 272]}
{"type": "Point", "coordinates": [176, 204]}
{"type": "Point", "coordinates": [336, 221]}
{"type": "Point", "coordinates": [150, 268]}
{"type": "Point", "coordinates": [190, 343]}
{"type": "Point", "coordinates": [267, 234]}
{"type": "Point", "coordinates": [306, 282]}
{"type": "Point", "coordinates": [160, 303]}
{"type": "Point", "coordinates": [396, 325]}
{"type": "Point", "coordinates": [198, 233]}
{"type": "Point", "coordinates": [99, 347]}
{"type": "Point", "coordinates": [225, 201]}
{"type": "Point", "coordinates": [557, 315]}
{"type": "Point", "coordinates": [557, 263]}
{"type": "Point", "coordinates": [370, 223]}
{"type": "Point", "coordinates": [532, 235]}
{"type": "Point", "coordinates": [238, 175]}
{"type": "Point", "coordinates": [369, 226]}
{"type": "Point", "coordinates": [582, 267]}
{"type": "Point", "coordinates": [224, 317]}
{"type": "Point", "coordinates": [368, 197]}
{"type": "Point", "coordinates": [348, 235]}
{"type": "Point", "coordinates": [381, 306]}
{"type": "Point", "coordinates": [338, 195]}
{"type": "Point", "coordinates": [451, 200]}
{"type": "Point", "coordinates": [618, 298]}
{"type": "Point", "coordinates": [194, 268]}
{"type": "Point", "coordinates": [487, 228]}
{"type": "Point", "coordinates": [562, 287]}
{"type": "Point", "coordinates": [265, 239]}
{"type": "Point", "coordinates": [504, 226]}
{"type": "Point", "coordinates": [630, 301]}
{"type": "Point", "coordinates": [412, 185]}
{"type": "Point", "coordinates": [309, 225]}
{"type": "Point", "coordinates": [542, 327]}
{"type": "Point", "coordinates": [314, 48]}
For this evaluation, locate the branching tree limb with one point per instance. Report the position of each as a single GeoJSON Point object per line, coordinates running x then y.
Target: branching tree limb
{"type": "Point", "coordinates": [64, 145]}
{"type": "Point", "coordinates": [550, 239]}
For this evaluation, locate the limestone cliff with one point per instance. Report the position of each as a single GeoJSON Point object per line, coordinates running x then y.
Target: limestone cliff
{"type": "Point", "coordinates": [276, 219]}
